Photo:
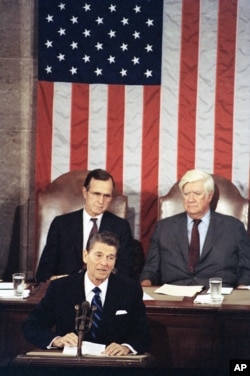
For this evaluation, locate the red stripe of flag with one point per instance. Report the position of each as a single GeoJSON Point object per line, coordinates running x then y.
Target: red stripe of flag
{"type": "Point", "coordinates": [44, 134]}
{"type": "Point", "coordinates": [188, 86]}
{"type": "Point", "coordinates": [79, 127]}
{"type": "Point", "coordinates": [150, 159]}
{"type": "Point", "coordinates": [115, 133]}
{"type": "Point", "coordinates": [225, 88]}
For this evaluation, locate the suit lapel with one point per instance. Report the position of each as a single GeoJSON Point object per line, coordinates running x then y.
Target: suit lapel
{"type": "Point", "coordinates": [181, 236]}
{"type": "Point", "coordinates": [107, 223]}
{"type": "Point", "coordinates": [75, 230]}
{"type": "Point", "coordinates": [77, 287]}
{"type": "Point", "coordinates": [213, 233]}
{"type": "Point", "coordinates": [111, 296]}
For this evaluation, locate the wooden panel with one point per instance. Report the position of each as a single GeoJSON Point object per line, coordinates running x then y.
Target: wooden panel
{"type": "Point", "coordinates": [177, 340]}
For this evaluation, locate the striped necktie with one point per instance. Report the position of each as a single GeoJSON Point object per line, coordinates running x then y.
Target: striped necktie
{"type": "Point", "coordinates": [97, 305]}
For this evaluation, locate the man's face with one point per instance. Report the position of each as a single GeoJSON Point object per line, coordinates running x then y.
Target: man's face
{"type": "Point", "coordinates": [100, 261]}
{"type": "Point", "coordinates": [195, 199]}
{"type": "Point", "coordinates": [98, 196]}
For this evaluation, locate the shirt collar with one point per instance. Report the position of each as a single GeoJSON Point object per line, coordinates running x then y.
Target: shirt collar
{"type": "Point", "coordinates": [204, 219]}
{"type": "Point", "coordinates": [88, 285]}
{"type": "Point", "coordinates": [87, 217]}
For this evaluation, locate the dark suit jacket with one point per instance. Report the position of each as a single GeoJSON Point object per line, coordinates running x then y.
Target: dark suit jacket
{"type": "Point", "coordinates": [226, 253]}
{"type": "Point", "coordinates": [57, 308]}
{"type": "Point", "coordinates": [63, 250]}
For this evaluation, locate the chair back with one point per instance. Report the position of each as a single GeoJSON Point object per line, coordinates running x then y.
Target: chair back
{"type": "Point", "coordinates": [226, 200]}
{"type": "Point", "coordinates": [62, 196]}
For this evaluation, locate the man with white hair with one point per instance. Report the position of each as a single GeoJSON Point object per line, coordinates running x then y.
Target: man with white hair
{"type": "Point", "coordinates": [223, 243]}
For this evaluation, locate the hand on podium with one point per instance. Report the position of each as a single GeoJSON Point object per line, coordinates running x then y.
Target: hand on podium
{"type": "Point", "coordinates": [70, 339]}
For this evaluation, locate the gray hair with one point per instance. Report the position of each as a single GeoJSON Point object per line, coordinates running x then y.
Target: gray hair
{"type": "Point", "coordinates": [192, 176]}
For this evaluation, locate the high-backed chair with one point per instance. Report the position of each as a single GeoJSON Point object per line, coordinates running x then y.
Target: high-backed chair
{"type": "Point", "coordinates": [62, 196]}
{"type": "Point", "coordinates": [226, 200]}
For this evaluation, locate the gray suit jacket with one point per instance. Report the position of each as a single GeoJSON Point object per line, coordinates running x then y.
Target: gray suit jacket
{"type": "Point", "coordinates": [226, 253]}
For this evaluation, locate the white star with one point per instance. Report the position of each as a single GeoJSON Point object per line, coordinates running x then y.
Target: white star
{"type": "Point", "coordinates": [98, 46]}
{"type": "Point", "coordinates": [148, 73]}
{"type": "Point", "coordinates": [73, 70]}
{"type": "Point", "coordinates": [86, 33]}
{"type": "Point", "coordinates": [61, 6]}
{"type": "Point", "coordinates": [74, 45]}
{"type": "Point", "coordinates": [98, 71]}
{"type": "Point", "coordinates": [48, 69]}
{"type": "Point", "coordinates": [124, 21]}
{"type": "Point", "coordinates": [99, 20]}
{"type": "Point", "coordinates": [86, 59]}
{"type": "Point", "coordinates": [86, 7]}
{"type": "Point", "coordinates": [124, 47]}
{"type": "Point", "coordinates": [135, 60]}
{"type": "Point", "coordinates": [111, 33]}
{"type": "Point", "coordinates": [61, 57]}
{"type": "Point", "coordinates": [149, 48]}
{"type": "Point", "coordinates": [62, 31]}
{"type": "Point", "coordinates": [112, 8]}
{"type": "Point", "coordinates": [123, 72]}
{"type": "Point", "coordinates": [136, 35]}
{"type": "Point", "coordinates": [150, 22]}
{"type": "Point", "coordinates": [49, 18]}
{"type": "Point", "coordinates": [111, 59]}
{"type": "Point", "coordinates": [49, 43]}
{"type": "Point", "coordinates": [137, 9]}
{"type": "Point", "coordinates": [74, 19]}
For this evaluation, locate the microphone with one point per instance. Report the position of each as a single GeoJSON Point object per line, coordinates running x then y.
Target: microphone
{"type": "Point", "coordinates": [80, 320]}
{"type": "Point", "coordinates": [85, 308]}
{"type": "Point", "coordinates": [77, 309]}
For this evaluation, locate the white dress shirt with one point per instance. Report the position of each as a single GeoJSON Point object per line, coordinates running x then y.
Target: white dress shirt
{"type": "Point", "coordinates": [89, 286]}
{"type": "Point", "coordinates": [88, 224]}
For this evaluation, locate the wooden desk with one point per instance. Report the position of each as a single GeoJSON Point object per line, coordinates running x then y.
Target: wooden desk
{"type": "Point", "coordinates": [184, 334]}
{"type": "Point", "coordinates": [188, 335]}
{"type": "Point", "coordinates": [13, 313]}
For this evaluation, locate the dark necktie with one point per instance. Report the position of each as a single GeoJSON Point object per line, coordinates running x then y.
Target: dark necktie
{"type": "Point", "coordinates": [97, 305]}
{"type": "Point", "coordinates": [93, 231]}
{"type": "Point", "coordinates": [194, 248]}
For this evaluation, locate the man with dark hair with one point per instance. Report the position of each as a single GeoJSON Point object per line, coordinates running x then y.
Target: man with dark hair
{"type": "Point", "coordinates": [68, 234]}
{"type": "Point", "coordinates": [121, 323]}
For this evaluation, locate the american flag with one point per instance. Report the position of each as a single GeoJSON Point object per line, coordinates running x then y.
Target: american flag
{"type": "Point", "coordinates": [146, 89]}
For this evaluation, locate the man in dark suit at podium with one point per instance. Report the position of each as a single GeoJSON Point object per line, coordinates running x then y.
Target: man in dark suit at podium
{"type": "Point", "coordinates": [68, 233]}
{"type": "Point", "coordinates": [122, 324]}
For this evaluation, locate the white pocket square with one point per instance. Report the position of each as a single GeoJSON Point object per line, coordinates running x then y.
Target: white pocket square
{"type": "Point", "coordinates": [121, 312]}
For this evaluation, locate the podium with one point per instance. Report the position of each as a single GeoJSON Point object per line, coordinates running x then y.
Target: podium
{"type": "Point", "coordinates": [55, 358]}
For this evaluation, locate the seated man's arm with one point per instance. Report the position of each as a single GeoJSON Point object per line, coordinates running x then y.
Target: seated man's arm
{"type": "Point", "coordinates": [150, 274]}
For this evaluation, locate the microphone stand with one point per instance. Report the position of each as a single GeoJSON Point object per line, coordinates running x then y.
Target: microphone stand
{"type": "Point", "coordinates": [84, 315]}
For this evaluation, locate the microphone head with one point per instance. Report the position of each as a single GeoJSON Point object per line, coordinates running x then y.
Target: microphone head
{"type": "Point", "coordinates": [85, 305]}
